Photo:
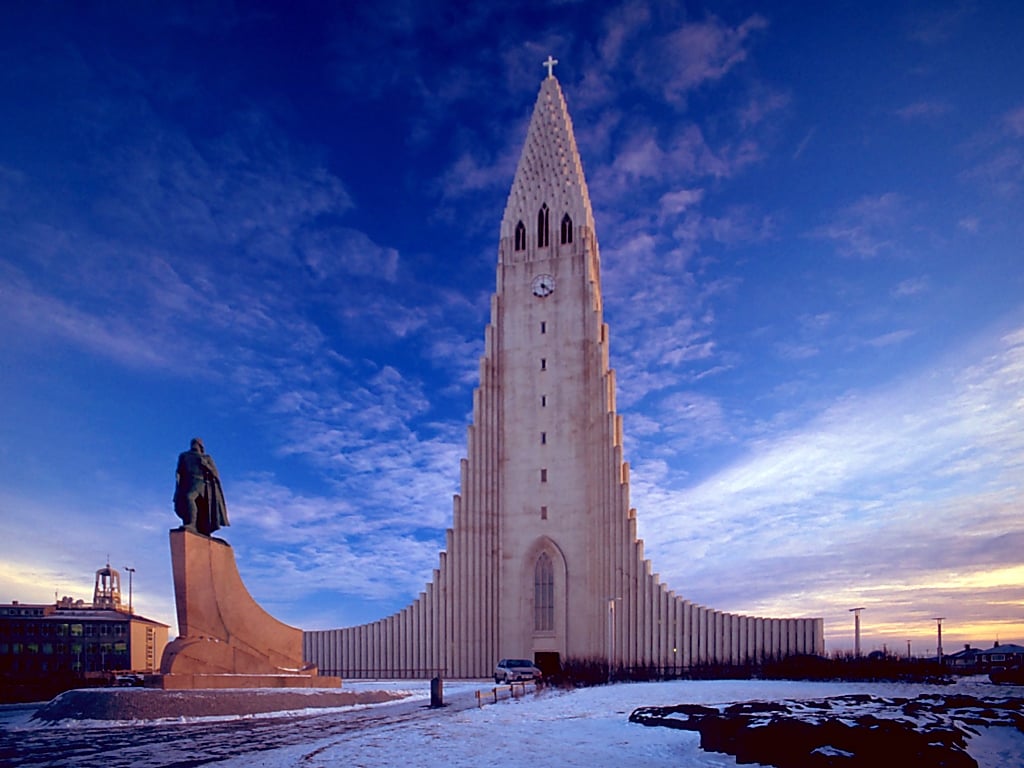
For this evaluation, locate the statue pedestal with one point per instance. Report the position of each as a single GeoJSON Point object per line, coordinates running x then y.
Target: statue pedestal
{"type": "Point", "coordinates": [226, 639]}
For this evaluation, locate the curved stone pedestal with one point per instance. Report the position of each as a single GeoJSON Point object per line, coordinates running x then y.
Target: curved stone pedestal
{"type": "Point", "coordinates": [226, 639]}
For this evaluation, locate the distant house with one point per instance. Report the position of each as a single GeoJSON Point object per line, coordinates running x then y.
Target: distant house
{"type": "Point", "coordinates": [967, 660]}
{"type": "Point", "coordinates": [1002, 657]}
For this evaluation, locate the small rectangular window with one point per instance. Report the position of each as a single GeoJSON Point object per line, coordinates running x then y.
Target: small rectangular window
{"type": "Point", "coordinates": [543, 401]}
{"type": "Point", "coordinates": [543, 327]}
{"type": "Point", "coordinates": [543, 364]}
{"type": "Point", "coordinates": [543, 438]}
{"type": "Point", "coordinates": [543, 475]}
{"type": "Point", "coordinates": [543, 513]}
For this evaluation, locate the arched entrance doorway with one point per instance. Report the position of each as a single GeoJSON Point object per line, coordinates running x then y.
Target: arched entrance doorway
{"type": "Point", "coordinates": [544, 577]}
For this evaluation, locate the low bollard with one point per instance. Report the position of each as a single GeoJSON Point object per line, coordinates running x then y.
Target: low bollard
{"type": "Point", "coordinates": [436, 692]}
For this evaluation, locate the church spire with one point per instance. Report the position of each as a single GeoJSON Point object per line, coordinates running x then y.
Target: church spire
{"type": "Point", "coordinates": [549, 172]}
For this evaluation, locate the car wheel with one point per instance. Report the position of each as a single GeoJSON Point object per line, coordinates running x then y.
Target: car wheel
{"type": "Point", "coordinates": [497, 679]}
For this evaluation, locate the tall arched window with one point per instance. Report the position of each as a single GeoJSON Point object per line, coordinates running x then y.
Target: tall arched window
{"type": "Point", "coordinates": [544, 594]}
{"type": "Point", "coordinates": [520, 240]}
{"type": "Point", "coordinates": [542, 227]}
{"type": "Point", "coordinates": [566, 229]}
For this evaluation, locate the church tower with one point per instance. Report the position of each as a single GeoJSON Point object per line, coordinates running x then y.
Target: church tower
{"type": "Point", "coordinates": [561, 490]}
{"type": "Point", "coordinates": [543, 561]}
{"type": "Point", "coordinates": [107, 591]}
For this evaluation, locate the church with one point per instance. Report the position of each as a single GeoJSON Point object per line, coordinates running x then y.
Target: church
{"type": "Point", "coordinates": [543, 561]}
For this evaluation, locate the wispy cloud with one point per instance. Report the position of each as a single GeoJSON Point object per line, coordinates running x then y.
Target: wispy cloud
{"type": "Point", "coordinates": [912, 287]}
{"type": "Point", "coordinates": [867, 228]}
{"type": "Point", "coordinates": [935, 26]}
{"type": "Point", "coordinates": [891, 338]}
{"type": "Point", "coordinates": [472, 172]}
{"type": "Point", "coordinates": [695, 54]}
{"type": "Point", "coordinates": [675, 202]}
{"type": "Point", "coordinates": [1014, 122]}
{"type": "Point", "coordinates": [996, 155]}
{"type": "Point", "coordinates": [762, 105]}
{"type": "Point", "coordinates": [620, 25]}
{"type": "Point", "coordinates": [804, 142]}
{"type": "Point", "coordinates": [923, 110]}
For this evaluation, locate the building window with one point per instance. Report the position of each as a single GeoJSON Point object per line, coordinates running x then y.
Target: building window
{"type": "Point", "coordinates": [543, 327]}
{"type": "Point", "coordinates": [543, 363]}
{"type": "Point", "coordinates": [543, 438]}
{"type": "Point", "coordinates": [566, 229]}
{"type": "Point", "coordinates": [543, 401]}
{"type": "Point", "coordinates": [520, 240]}
{"type": "Point", "coordinates": [543, 513]}
{"type": "Point", "coordinates": [544, 594]}
{"type": "Point", "coordinates": [544, 475]}
{"type": "Point", "coordinates": [542, 226]}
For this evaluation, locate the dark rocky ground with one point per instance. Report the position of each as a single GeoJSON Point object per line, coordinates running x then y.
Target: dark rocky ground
{"type": "Point", "coordinates": [854, 731]}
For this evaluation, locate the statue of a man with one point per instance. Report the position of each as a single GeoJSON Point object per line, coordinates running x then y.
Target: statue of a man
{"type": "Point", "coordinates": [198, 497]}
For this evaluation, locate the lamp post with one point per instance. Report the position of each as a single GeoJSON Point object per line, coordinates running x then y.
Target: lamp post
{"type": "Point", "coordinates": [856, 630]}
{"type": "Point", "coordinates": [611, 635]}
{"type": "Point", "coordinates": [938, 621]}
{"type": "Point", "coordinates": [130, 572]}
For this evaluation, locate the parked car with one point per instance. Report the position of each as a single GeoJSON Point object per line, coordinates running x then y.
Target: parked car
{"type": "Point", "coordinates": [510, 670]}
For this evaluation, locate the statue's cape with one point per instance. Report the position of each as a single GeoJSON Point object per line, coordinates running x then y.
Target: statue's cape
{"type": "Point", "coordinates": [215, 501]}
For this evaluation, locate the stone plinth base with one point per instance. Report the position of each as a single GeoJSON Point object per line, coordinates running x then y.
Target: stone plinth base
{"type": "Point", "coordinates": [188, 682]}
{"type": "Point", "coordinates": [227, 640]}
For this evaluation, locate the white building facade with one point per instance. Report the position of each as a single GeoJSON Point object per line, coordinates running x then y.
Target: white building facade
{"type": "Point", "coordinates": [543, 561]}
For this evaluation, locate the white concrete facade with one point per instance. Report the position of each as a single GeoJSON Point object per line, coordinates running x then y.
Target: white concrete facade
{"type": "Point", "coordinates": [543, 555]}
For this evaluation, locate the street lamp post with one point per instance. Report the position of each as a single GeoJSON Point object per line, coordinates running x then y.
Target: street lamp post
{"type": "Point", "coordinates": [611, 635]}
{"type": "Point", "coordinates": [131, 571]}
{"type": "Point", "coordinates": [856, 630]}
{"type": "Point", "coordinates": [938, 622]}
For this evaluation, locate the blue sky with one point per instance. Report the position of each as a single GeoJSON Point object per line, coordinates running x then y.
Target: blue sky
{"type": "Point", "coordinates": [275, 227]}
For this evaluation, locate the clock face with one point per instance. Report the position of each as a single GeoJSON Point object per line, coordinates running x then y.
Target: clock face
{"type": "Point", "coordinates": [543, 285]}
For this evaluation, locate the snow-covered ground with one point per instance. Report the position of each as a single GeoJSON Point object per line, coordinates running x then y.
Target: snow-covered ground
{"type": "Point", "coordinates": [586, 727]}
{"type": "Point", "coordinates": [590, 727]}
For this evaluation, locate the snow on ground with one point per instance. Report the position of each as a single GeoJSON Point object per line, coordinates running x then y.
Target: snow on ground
{"type": "Point", "coordinates": [589, 727]}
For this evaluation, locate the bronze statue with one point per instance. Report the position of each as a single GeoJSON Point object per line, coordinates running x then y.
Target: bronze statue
{"type": "Point", "coordinates": [198, 496]}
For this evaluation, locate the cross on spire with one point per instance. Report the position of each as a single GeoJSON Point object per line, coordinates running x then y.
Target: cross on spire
{"type": "Point", "coordinates": [550, 64]}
